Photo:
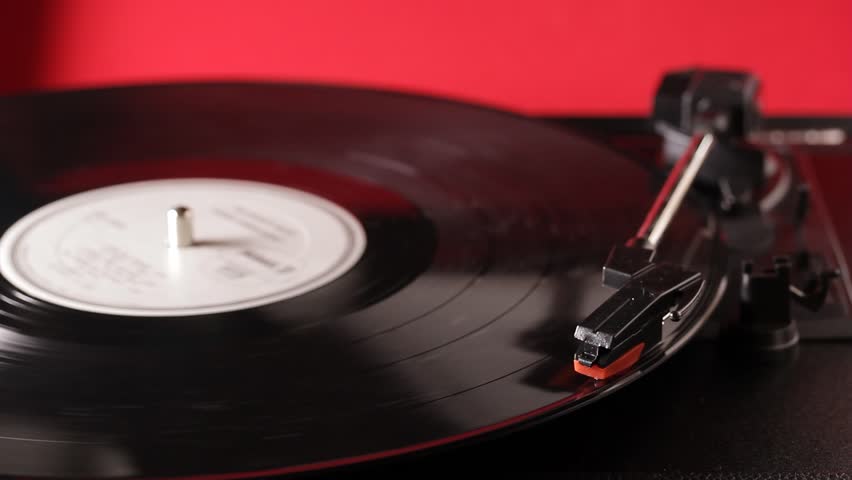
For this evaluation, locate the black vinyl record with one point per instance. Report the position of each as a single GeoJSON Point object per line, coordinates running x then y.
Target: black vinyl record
{"type": "Point", "coordinates": [485, 236]}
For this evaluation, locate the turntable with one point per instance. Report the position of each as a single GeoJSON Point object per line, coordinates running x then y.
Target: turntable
{"type": "Point", "coordinates": [251, 280]}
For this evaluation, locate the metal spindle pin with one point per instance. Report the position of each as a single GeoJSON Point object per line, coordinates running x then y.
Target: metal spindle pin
{"type": "Point", "coordinates": [179, 227]}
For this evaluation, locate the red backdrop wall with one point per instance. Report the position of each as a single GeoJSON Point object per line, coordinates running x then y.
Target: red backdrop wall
{"type": "Point", "coordinates": [534, 56]}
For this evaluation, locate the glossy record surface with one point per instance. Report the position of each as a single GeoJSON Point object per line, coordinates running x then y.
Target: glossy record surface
{"type": "Point", "coordinates": [485, 237]}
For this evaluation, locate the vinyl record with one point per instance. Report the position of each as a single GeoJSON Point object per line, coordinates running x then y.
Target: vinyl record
{"type": "Point", "coordinates": [372, 274]}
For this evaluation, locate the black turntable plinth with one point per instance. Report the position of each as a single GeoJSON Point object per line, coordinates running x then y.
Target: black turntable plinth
{"type": "Point", "coordinates": [253, 280]}
{"type": "Point", "coordinates": [709, 412]}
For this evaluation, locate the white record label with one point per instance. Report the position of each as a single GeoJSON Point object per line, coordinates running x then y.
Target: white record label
{"type": "Point", "coordinates": [106, 250]}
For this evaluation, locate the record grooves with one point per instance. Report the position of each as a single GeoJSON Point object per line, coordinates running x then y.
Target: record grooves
{"type": "Point", "coordinates": [485, 233]}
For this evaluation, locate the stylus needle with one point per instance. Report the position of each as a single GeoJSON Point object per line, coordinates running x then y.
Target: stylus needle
{"type": "Point", "coordinates": [648, 293]}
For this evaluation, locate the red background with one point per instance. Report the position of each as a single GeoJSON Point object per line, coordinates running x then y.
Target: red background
{"type": "Point", "coordinates": [538, 56]}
